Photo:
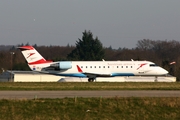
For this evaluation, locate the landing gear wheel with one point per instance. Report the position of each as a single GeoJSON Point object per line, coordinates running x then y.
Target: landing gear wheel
{"type": "Point", "coordinates": [90, 80]}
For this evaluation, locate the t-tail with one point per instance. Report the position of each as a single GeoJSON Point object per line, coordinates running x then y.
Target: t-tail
{"type": "Point", "coordinates": [33, 58]}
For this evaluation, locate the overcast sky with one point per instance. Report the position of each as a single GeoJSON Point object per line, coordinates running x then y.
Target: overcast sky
{"type": "Point", "coordinates": [117, 23]}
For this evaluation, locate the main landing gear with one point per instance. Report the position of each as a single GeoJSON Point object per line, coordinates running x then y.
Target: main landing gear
{"type": "Point", "coordinates": [90, 79]}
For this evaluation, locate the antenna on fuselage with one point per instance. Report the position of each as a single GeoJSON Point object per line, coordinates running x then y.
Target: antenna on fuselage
{"type": "Point", "coordinates": [103, 60]}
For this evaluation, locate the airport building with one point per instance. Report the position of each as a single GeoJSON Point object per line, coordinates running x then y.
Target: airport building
{"type": "Point", "coordinates": [31, 76]}
{"type": "Point", "coordinates": [27, 76]}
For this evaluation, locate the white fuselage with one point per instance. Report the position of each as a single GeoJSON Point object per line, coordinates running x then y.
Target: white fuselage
{"type": "Point", "coordinates": [90, 69]}
{"type": "Point", "coordinates": [104, 69]}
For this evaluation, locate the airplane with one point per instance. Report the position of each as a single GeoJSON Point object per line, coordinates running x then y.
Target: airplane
{"type": "Point", "coordinates": [90, 69]}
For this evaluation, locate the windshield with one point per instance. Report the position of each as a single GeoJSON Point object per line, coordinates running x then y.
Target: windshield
{"type": "Point", "coordinates": [152, 65]}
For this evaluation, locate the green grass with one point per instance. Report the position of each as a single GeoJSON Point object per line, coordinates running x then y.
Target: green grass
{"type": "Point", "coordinates": [115, 108]}
{"type": "Point", "coordinates": [91, 109]}
{"type": "Point", "coordinates": [90, 86]}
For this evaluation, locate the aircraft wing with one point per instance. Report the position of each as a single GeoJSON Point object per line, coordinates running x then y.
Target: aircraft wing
{"type": "Point", "coordinates": [96, 74]}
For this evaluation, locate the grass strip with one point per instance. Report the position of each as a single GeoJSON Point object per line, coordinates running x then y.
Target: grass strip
{"type": "Point", "coordinates": [90, 86]}
{"type": "Point", "coordinates": [91, 109]}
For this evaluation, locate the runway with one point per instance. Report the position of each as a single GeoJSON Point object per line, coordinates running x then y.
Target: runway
{"type": "Point", "coordinates": [72, 94]}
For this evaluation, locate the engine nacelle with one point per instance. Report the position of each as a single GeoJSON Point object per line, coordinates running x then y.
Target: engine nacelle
{"type": "Point", "coordinates": [63, 65]}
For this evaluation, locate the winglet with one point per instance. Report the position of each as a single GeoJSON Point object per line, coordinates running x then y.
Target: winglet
{"type": "Point", "coordinates": [79, 69]}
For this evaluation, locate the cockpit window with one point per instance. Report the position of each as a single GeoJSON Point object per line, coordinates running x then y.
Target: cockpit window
{"type": "Point", "coordinates": [152, 65]}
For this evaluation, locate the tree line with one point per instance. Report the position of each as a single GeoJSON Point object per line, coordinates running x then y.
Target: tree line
{"type": "Point", "coordinates": [165, 53]}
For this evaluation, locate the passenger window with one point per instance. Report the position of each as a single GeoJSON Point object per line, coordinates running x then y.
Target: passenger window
{"type": "Point", "coordinates": [81, 66]}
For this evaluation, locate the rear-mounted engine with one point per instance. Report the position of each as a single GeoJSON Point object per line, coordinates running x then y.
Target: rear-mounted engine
{"type": "Point", "coordinates": [63, 65]}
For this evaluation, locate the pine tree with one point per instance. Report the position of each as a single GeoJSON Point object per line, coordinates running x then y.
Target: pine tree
{"type": "Point", "coordinates": [87, 48]}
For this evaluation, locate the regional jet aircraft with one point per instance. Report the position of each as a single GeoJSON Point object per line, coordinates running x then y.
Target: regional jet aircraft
{"type": "Point", "coordinates": [90, 69]}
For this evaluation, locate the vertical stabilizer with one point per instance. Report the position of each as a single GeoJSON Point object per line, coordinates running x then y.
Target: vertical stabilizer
{"type": "Point", "coordinates": [32, 57]}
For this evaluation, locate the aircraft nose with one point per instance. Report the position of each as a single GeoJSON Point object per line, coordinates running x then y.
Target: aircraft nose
{"type": "Point", "coordinates": [164, 72]}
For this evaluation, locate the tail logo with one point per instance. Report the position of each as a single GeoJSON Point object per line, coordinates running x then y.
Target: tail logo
{"type": "Point", "coordinates": [30, 54]}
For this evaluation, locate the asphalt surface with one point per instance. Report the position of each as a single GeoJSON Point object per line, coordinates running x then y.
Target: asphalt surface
{"type": "Point", "coordinates": [72, 94]}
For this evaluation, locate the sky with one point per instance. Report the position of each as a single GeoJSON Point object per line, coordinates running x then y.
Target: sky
{"type": "Point", "coordinates": [116, 23]}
